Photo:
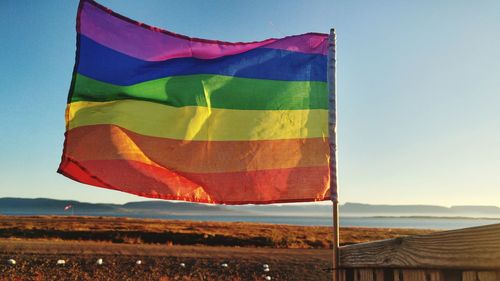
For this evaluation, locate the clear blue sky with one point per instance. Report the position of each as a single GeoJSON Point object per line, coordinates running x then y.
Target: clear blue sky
{"type": "Point", "coordinates": [418, 86]}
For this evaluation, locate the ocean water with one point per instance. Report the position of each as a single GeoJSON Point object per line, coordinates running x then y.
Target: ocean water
{"type": "Point", "coordinates": [423, 223]}
{"type": "Point", "coordinates": [429, 222]}
{"type": "Point", "coordinates": [386, 222]}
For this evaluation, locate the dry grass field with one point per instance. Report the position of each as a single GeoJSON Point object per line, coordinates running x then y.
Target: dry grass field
{"type": "Point", "coordinates": [292, 252]}
{"type": "Point", "coordinates": [178, 232]}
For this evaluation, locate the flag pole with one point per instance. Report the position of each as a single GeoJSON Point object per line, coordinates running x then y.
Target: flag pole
{"type": "Point", "coordinates": [332, 125]}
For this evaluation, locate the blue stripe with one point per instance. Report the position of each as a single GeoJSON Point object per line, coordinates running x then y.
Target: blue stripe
{"type": "Point", "coordinates": [104, 64]}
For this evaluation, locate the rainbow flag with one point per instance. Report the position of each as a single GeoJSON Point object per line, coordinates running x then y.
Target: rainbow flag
{"type": "Point", "coordinates": [162, 115]}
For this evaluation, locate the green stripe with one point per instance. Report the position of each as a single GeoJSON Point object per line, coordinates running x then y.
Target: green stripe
{"type": "Point", "coordinates": [215, 91]}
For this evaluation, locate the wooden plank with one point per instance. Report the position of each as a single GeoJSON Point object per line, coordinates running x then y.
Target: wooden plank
{"type": "Point", "coordinates": [388, 275]}
{"type": "Point", "coordinates": [452, 275]}
{"type": "Point", "coordinates": [342, 275]}
{"type": "Point", "coordinates": [398, 275]}
{"type": "Point", "coordinates": [359, 275]}
{"type": "Point", "coordinates": [379, 275]}
{"type": "Point", "coordinates": [477, 248]}
{"type": "Point", "coordinates": [418, 275]}
{"type": "Point", "coordinates": [349, 274]}
{"type": "Point", "coordinates": [469, 276]}
{"type": "Point", "coordinates": [364, 275]}
{"type": "Point", "coordinates": [435, 275]}
{"type": "Point", "coordinates": [481, 276]}
{"type": "Point", "coordinates": [413, 275]}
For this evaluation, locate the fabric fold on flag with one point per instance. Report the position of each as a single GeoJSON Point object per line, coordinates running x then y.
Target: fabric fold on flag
{"type": "Point", "coordinates": [162, 115]}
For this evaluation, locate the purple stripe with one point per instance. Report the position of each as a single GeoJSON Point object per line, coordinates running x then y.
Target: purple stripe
{"type": "Point", "coordinates": [129, 37]}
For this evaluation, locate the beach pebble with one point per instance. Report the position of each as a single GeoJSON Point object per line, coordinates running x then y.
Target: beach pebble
{"type": "Point", "coordinates": [138, 262]}
{"type": "Point", "coordinates": [182, 264]}
{"type": "Point", "coordinates": [11, 261]}
{"type": "Point", "coordinates": [266, 269]}
{"type": "Point", "coordinates": [99, 261]}
{"type": "Point", "coordinates": [61, 262]}
{"type": "Point", "coordinates": [224, 265]}
{"type": "Point", "coordinates": [268, 278]}
{"type": "Point", "coordinates": [265, 265]}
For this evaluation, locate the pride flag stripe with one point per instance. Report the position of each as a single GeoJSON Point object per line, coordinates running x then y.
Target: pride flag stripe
{"type": "Point", "coordinates": [130, 37]}
{"type": "Point", "coordinates": [264, 186]}
{"type": "Point", "coordinates": [200, 123]}
{"type": "Point", "coordinates": [107, 65]}
{"type": "Point", "coordinates": [108, 142]}
{"type": "Point", "coordinates": [224, 92]}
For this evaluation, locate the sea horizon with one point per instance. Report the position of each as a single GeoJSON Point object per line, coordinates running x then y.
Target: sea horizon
{"type": "Point", "coordinates": [349, 220]}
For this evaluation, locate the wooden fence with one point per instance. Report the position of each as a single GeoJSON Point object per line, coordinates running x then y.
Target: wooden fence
{"type": "Point", "coordinates": [471, 254]}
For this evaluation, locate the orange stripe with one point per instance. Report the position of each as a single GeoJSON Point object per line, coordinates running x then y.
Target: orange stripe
{"type": "Point", "coordinates": [109, 142]}
{"type": "Point", "coordinates": [254, 187]}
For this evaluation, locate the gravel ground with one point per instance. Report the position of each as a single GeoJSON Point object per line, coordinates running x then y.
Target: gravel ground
{"type": "Point", "coordinates": [158, 262]}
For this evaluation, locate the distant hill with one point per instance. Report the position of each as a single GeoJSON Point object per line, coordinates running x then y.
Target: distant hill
{"type": "Point", "coordinates": [419, 210]}
{"type": "Point", "coordinates": [171, 206]}
{"type": "Point", "coordinates": [288, 209]}
{"type": "Point", "coordinates": [44, 206]}
{"type": "Point", "coordinates": [155, 209]}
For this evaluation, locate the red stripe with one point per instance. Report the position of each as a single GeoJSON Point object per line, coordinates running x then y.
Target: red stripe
{"type": "Point", "coordinates": [255, 187]}
{"type": "Point", "coordinates": [74, 171]}
{"type": "Point", "coordinates": [108, 142]}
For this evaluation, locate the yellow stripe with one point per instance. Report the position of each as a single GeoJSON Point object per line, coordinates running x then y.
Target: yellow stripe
{"type": "Point", "coordinates": [200, 123]}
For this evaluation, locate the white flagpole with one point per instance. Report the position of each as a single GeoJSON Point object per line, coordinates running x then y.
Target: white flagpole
{"type": "Point", "coordinates": [332, 124]}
